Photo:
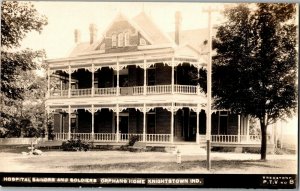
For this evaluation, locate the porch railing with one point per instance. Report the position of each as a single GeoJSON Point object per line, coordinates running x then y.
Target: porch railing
{"type": "Point", "coordinates": [185, 89]}
{"type": "Point", "coordinates": [81, 92]}
{"type": "Point", "coordinates": [159, 89]}
{"type": "Point", "coordinates": [126, 137]}
{"type": "Point", "coordinates": [60, 136]}
{"type": "Point", "coordinates": [135, 90]}
{"type": "Point", "coordinates": [106, 137]}
{"type": "Point", "coordinates": [138, 90]}
{"type": "Point", "coordinates": [105, 91]}
{"type": "Point", "coordinates": [224, 138]}
{"type": "Point", "coordinates": [82, 136]}
{"type": "Point", "coordinates": [59, 93]}
{"type": "Point", "coordinates": [158, 137]}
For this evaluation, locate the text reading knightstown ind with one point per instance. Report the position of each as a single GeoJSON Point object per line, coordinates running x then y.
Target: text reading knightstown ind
{"type": "Point", "coordinates": [103, 181]}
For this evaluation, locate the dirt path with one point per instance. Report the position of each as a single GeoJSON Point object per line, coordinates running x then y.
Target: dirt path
{"type": "Point", "coordinates": [155, 162]}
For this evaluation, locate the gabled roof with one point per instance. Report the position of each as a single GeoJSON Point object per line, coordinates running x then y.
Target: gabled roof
{"type": "Point", "coordinates": [143, 23]}
{"type": "Point", "coordinates": [151, 29]}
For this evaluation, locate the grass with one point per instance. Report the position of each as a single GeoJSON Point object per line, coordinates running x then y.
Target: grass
{"type": "Point", "coordinates": [144, 162]}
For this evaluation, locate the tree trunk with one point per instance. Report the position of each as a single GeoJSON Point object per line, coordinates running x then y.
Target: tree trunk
{"type": "Point", "coordinates": [263, 150]}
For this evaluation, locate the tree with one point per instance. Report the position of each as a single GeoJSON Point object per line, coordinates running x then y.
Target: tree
{"type": "Point", "coordinates": [255, 68]}
{"type": "Point", "coordinates": [17, 19]}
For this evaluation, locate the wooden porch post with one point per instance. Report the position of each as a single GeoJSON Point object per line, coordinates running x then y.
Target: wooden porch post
{"type": "Point", "coordinates": [197, 126]}
{"type": "Point", "coordinates": [69, 130]}
{"type": "Point", "coordinates": [172, 76]}
{"type": "Point", "coordinates": [117, 112]}
{"type": "Point", "coordinates": [93, 78]}
{"type": "Point", "coordinates": [93, 122]}
{"type": "Point", "coordinates": [172, 123]}
{"type": "Point", "coordinates": [145, 77]}
{"type": "Point", "coordinates": [239, 128]}
{"type": "Point", "coordinates": [144, 123]}
{"type": "Point", "coordinates": [69, 93]}
{"type": "Point", "coordinates": [247, 127]}
{"type": "Point", "coordinates": [118, 76]}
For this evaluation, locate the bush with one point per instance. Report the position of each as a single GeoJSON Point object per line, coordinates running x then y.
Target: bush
{"type": "Point", "coordinates": [76, 145]}
{"type": "Point", "coordinates": [132, 140]}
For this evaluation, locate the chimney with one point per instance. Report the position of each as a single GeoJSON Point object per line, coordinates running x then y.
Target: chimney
{"type": "Point", "coordinates": [77, 36]}
{"type": "Point", "coordinates": [93, 33]}
{"type": "Point", "coordinates": [177, 27]}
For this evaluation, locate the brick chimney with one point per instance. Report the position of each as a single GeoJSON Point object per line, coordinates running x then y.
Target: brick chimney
{"type": "Point", "coordinates": [93, 33]}
{"type": "Point", "coordinates": [77, 36]}
{"type": "Point", "coordinates": [177, 27]}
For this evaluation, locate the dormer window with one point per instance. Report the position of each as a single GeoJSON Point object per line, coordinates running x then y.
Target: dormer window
{"type": "Point", "coordinates": [126, 39]}
{"type": "Point", "coordinates": [142, 42]}
{"type": "Point", "coordinates": [120, 40]}
{"type": "Point", "coordinates": [114, 40]}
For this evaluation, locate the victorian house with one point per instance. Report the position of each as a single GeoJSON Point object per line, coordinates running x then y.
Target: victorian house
{"type": "Point", "coordinates": [135, 80]}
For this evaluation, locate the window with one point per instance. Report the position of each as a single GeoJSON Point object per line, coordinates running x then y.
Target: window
{"type": "Point", "coordinates": [126, 39]}
{"type": "Point", "coordinates": [120, 40]}
{"type": "Point", "coordinates": [114, 40]}
{"type": "Point", "coordinates": [142, 42]}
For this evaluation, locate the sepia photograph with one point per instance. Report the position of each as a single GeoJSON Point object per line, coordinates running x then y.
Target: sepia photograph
{"type": "Point", "coordinates": [149, 94]}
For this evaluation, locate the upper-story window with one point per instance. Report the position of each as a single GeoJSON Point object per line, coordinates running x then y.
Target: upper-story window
{"type": "Point", "coordinates": [142, 42]}
{"type": "Point", "coordinates": [120, 40]}
{"type": "Point", "coordinates": [126, 39]}
{"type": "Point", "coordinates": [114, 40]}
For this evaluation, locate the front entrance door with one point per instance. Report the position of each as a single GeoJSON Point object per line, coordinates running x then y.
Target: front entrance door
{"type": "Point", "coordinates": [123, 125]}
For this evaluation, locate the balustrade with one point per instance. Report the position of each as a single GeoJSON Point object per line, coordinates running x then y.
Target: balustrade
{"type": "Point", "coordinates": [135, 90]}
{"type": "Point", "coordinates": [105, 137]}
{"type": "Point", "coordinates": [81, 92]}
{"type": "Point", "coordinates": [158, 137]}
{"type": "Point", "coordinates": [105, 91]}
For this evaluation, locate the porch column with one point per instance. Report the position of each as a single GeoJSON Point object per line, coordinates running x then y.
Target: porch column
{"type": "Point", "coordinates": [69, 93]}
{"type": "Point", "coordinates": [145, 77]}
{"type": "Point", "coordinates": [144, 123]}
{"type": "Point", "coordinates": [197, 127]}
{"type": "Point", "coordinates": [93, 77]}
{"type": "Point", "coordinates": [117, 112]}
{"type": "Point", "coordinates": [172, 77]}
{"type": "Point", "coordinates": [247, 127]}
{"type": "Point", "coordinates": [118, 85]}
{"type": "Point", "coordinates": [172, 123]}
{"type": "Point", "coordinates": [198, 77]}
{"type": "Point", "coordinates": [239, 128]}
{"type": "Point", "coordinates": [69, 129]}
{"type": "Point", "coordinates": [93, 122]}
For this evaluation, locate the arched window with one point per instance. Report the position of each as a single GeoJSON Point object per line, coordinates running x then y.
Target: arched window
{"type": "Point", "coordinates": [114, 40]}
{"type": "Point", "coordinates": [120, 40]}
{"type": "Point", "coordinates": [126, 39]}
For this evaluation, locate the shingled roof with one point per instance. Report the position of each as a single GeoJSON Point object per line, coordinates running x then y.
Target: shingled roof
{"type": "Point", "coordinates": [196, 38]}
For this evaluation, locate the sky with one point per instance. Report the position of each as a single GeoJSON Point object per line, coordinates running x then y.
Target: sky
{"type": "Point", "coordinates": [57, 38]}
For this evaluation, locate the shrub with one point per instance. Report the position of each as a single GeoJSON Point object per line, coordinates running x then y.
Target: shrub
{"type": "Point", "coordinates": [75, 145]}
{"type": "Point", "coordinates": [132, 140]}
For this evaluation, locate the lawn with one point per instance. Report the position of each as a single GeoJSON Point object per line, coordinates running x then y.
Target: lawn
{"type": "Point", "coordinates": [145, 162]}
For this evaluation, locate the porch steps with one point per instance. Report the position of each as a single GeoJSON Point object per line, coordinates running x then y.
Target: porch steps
{"type": "Point", "coordinates": [190, 149]}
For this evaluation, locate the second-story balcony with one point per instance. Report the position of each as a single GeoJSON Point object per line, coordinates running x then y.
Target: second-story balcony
{"type": "Point", "coordinates": [127, 91]}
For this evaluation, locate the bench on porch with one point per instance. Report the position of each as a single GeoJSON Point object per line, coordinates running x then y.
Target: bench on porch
{"type": "Point", "coordinates": [137, 147]}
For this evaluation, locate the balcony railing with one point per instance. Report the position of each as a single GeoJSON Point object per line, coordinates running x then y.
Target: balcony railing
{"type": "Point", "coordinates": [105, 91]}
{"type": "Point", "coordinates": [81, 92]}
{"type": "Point", "coordinates": [123, 91]}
